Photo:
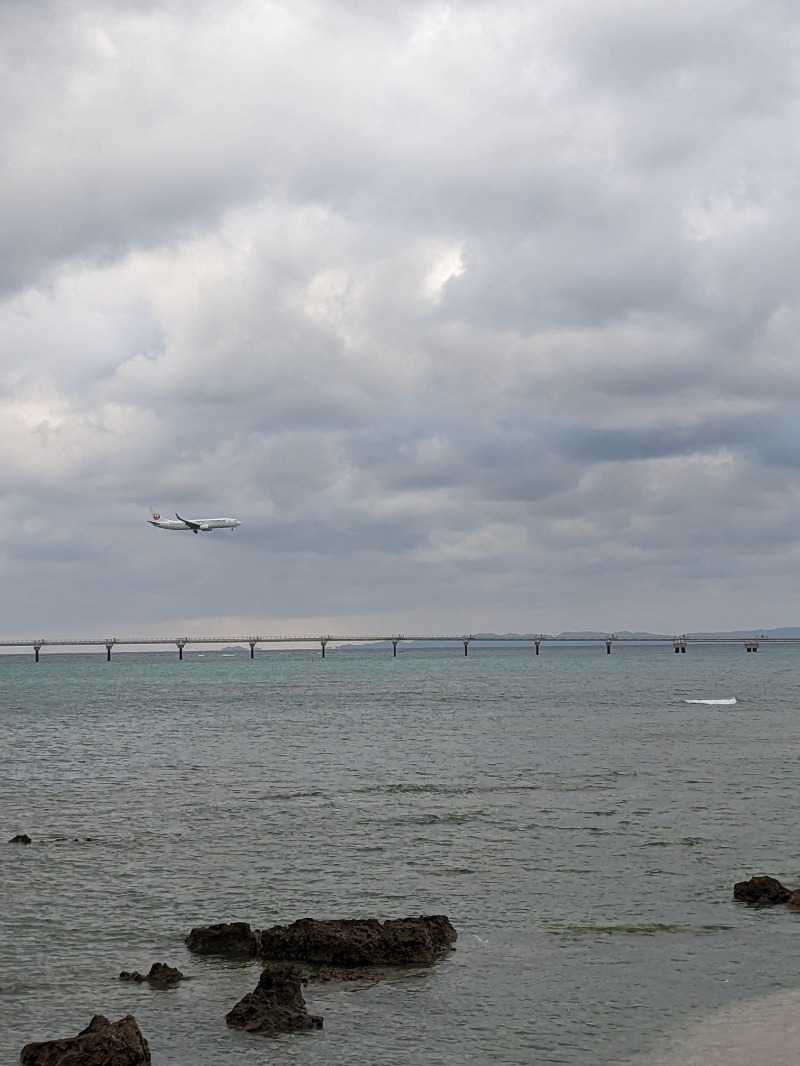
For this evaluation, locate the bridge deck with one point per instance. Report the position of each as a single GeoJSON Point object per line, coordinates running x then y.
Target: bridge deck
{"type": "Point", "coordinates": [394, 639]}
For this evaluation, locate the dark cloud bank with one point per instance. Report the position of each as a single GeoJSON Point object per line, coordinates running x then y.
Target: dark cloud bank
{"type": "Point", "coordinates": [479, 316]}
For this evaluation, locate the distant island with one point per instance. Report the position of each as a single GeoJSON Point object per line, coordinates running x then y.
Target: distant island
{"type": "Point", "coordinates": [513, 639]}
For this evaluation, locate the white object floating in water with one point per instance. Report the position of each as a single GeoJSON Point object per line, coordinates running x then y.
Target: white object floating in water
{"type": "Point", "coordinates": [713, 702]}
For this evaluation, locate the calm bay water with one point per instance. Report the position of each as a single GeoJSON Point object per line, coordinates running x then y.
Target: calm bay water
{"type": "Point", "coordinates": [579, 823]}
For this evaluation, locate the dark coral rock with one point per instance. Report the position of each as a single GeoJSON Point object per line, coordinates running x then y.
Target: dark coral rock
{"type": "Point", "coordinates": [102, 1043]}
{"type": "Point", "coordinates": [20, 838]}
{"type": "Point", "coordinates": [225, 938]}
{"type": "Point", "coordinates": [160, 976]}
{"type": "Point", "coordinates": [276, 1005]}
{"type": "Point", "coordinates": [353, 942]}
{"type": "Point", "coordinates": [761, 891]}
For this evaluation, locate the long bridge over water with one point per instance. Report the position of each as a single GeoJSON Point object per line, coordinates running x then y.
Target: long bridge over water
{"type": "Point", "coordinates": [679, 643]}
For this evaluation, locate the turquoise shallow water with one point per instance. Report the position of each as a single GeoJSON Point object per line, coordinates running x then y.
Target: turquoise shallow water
{"type": "Point", "coordinates": [579, 823]}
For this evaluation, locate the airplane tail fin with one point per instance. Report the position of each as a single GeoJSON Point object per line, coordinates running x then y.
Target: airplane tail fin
{"type": "Point", "coordinates": [154, 514]}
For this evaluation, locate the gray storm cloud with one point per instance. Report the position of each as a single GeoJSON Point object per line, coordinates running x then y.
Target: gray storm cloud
{"type": "Point", "coordinates": [479, 316]}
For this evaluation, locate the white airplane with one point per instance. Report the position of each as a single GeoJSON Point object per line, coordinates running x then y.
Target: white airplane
{"type": "Point", "coordinates": [197, 525]}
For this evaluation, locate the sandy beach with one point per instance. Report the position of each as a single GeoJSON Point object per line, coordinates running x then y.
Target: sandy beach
{"type": "Point", "coordinates": [766, 1029]}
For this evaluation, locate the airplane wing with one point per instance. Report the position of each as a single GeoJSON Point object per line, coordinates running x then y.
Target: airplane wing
{"type": "Point", "coordinates": [194, 526]}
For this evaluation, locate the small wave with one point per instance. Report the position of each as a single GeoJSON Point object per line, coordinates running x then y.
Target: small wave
{"type": "Point", "coordinates": [713, 703]}
{"type": "Point", "coordinates": [432, 789]}
{"type": "Point", "coordinates": [403, 787]}
{"type": "Point", "coordinates": [432, 818]}
{"type": "Point", "coordinates": [646, 929]}
{"type": "Point", "coordinates": [313, 793]}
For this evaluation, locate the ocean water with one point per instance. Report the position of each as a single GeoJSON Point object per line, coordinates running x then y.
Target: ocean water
{"type": "Point", "coordinates": [580, 824]}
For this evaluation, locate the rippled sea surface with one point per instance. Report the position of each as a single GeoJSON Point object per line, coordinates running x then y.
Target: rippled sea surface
{"type": "Point", "coordinates": [578, 822]}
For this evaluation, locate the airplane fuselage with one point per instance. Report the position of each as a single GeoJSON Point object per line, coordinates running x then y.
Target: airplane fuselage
{"type": "Point", "coordinates": [196, 525]}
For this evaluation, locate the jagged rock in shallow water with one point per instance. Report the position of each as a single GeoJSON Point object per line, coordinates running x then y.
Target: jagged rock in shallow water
{"type": "Point", "coordinates": [761, 891]}
{"type": "Point", "coordinates": [225, 938]}
{"type": "Point", "coordinates": [20, 838]}
{"type": "Point", "coordinates": [275, 1005]}
{"type": "Point", "coordinates": [160, 976]}
{"type": "Point", "coordinates": [360, 941]}
{"type": "Point", "coordinates": [102, 1043]}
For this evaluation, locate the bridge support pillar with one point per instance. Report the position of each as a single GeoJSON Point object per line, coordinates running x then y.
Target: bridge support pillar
{"type": "Point", "coordinates": [751, 645]}
{"type": "Point", "coordinates": [36, 649]}
{"type": "Point", "coordinates": [536, 645]}
{"type": "Point", "coordinates": [108, 652]}
{"type": "Point", "coordinates": [679, 645]}
{"type": "Point", "coordinates": [323, 643]}
{"type": "Point", "coordinates": [394, 649]}
{"type": "Point", "coordinates": [608, 647]}
{"type": "Point", "coordinates": [252, 645]}
{"type": "Point", "coordinates": [180, 646]}
{"type": "Point", "coordinates": [466, 647]}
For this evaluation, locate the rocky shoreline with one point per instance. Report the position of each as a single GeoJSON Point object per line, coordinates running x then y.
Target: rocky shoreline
{"type": "Point", "coordinates": [344, 949]}
{"type": "Point", "coordinates": [309, 949]}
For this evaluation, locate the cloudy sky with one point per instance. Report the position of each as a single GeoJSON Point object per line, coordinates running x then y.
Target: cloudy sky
{"type": "Point", "coordinates": [478, 314]}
